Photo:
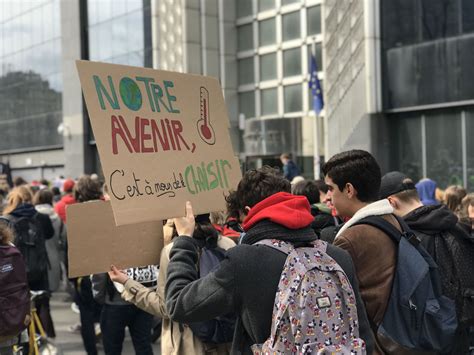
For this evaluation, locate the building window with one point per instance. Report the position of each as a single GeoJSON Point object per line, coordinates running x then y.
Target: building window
{"type": "Point", "coordinates": [269, 99]}
{"type": "Point", "coordinates": [247, 103]}
{"type": "Point", "coordinates": [30, 75]}
{"type": "Point", "coordinates": [318, 55]}
{"type": "Point", "coordinates": [246, 71]}
{"type": "Point", "coordinates": [268, 67]}
{"type": "Point", "coordinates": [406, 152]}
{"type": "Point", "coordinates": [245, 37]}
{"type": "Point", "coordinates": [444, 147]}
{"type": "Point", "coordinates": [293, 98]}
{"type": "Point", "coordinates": [292, 62]}
{"type": "Point", "coordinates": [286, 2]}
{"type": "Point", "coordinates": [470, 148]}
{"type": "Point", "coordinates": [314, 20]}
{"type": "Point", "coordinates": [264, 5]}
{"type": "Point", "coordinates": [244, 8]}
{"type": "Point", "coordinates": [267, 32]}
{"type": "Point", "coordinates": [291, 26]}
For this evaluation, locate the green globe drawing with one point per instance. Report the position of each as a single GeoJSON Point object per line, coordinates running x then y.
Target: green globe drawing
{"type": "Point", "coordinates": [131, 94]}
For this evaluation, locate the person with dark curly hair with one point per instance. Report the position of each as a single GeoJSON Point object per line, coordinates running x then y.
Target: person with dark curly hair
{"type": "Point", "coordinates": [246, 280]}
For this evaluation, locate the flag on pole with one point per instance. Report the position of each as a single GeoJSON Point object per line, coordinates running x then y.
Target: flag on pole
{"type": "Point", "coordinates": [315, 86]}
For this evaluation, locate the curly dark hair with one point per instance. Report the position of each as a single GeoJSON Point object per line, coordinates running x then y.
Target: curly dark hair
{"type": "Point", "coordinates": [359, 168]}
{"type": "Point", "coordinates": [87, 189]}
{"type": "Point", "coordinates": [232, 203]}
{"type": "Point", "coordinates": [258, 184]}
{"type": "Point", "coordinates": [307, 188]}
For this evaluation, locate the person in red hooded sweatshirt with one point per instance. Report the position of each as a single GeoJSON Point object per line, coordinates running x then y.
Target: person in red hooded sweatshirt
{"type": "Point", "coordinates": [67, 199]}
{"type": "Point", "coordinates": [246, 280]}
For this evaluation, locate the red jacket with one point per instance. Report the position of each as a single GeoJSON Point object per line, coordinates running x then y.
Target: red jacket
{"type": "Point", "coordinates": [60, 207]}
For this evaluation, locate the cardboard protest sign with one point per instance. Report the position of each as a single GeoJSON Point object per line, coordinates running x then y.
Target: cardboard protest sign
{"type": "Point", "coordinates": [163, 139]}
{"type": "Point", "coordinates": [95, 242]}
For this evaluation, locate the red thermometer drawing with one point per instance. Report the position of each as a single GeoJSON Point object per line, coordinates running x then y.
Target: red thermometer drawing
{"type": "Point", "coordinates": [205, 130]}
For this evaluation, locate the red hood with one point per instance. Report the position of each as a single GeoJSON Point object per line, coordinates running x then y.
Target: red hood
{"type": "Point", "coordinates": [283, 208]}
{"type": "Point", "coordinates": [68, 199]}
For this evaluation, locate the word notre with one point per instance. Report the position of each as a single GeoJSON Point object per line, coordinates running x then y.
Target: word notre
{"type": "Point", "coordinates": [205, 177]}
{"type": "Point", "coordinates": [149, 135]}
{"type": "Point", "coordinates": [159, 96]}
{"type": "Point", "coordinates": [137, 188]}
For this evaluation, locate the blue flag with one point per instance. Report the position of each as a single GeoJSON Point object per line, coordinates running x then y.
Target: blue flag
{"type": "Point", "coordinates": [315, 86]}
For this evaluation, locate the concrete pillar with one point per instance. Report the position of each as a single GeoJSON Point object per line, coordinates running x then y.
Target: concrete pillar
{"type": "Point", "coordinates": [73, 120]}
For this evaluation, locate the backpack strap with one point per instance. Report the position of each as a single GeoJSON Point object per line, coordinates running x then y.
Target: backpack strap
{"type": "Point", "coordinates": [390, 230]}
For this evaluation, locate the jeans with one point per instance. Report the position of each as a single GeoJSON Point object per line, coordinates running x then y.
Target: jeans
{"type": "Point", "coordinates": [113, 321]}
{"type": "Point", "coordinates": [90, 311]}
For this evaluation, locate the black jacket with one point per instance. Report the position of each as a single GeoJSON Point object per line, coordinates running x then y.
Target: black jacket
{"type": "Point", "coordinates": [452, 248]}
{"type": "Point", "coordinates": [245, 283]}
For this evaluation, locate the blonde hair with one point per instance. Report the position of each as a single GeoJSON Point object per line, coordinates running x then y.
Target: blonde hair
{"type": "Point", "coordinates": [453, 197]}
{"type": "Point", "coordinates": [467, 201]}
{"type": "Point", "coordinates": [6, 234]}
{"type": "Point", "coordinates": [17, 196]}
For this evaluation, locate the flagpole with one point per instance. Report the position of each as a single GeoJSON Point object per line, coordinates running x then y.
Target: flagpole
{"type": "Point", "coordinates": [316, 161]}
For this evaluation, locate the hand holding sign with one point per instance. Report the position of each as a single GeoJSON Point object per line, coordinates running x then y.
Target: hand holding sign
{"type": "Point", "coordinates": [117, 275]}
{"type": "Point", "coordinates": [185, 225]}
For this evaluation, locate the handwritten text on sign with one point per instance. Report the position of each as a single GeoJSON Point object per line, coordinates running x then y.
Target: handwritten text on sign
{"type": "Point", "coordinates": [159, 134]}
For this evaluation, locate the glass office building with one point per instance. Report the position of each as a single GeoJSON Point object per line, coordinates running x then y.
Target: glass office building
{"type": "Point", "coordinates": [428, 88]}
{"type": "Point", "coordinates": [275, 41]}
{"type": "Point", "coordinates": [30, 76]}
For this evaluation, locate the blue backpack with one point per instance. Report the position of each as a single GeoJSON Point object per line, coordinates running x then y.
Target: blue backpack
{"type": "Point", "coordinates": [418, 316]}
{"type": "Point", "coordinates": [219, 330]}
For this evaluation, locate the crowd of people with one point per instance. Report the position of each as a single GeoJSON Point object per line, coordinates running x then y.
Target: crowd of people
{"type": "Point", "coordinates": [356, 263]}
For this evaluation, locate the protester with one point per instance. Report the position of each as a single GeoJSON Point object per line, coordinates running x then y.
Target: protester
{"type": "Point", "coordinates": [437, 228]}
{"type": "Point", "coordinates": [19, 181]}
{"type": "Point", "coordinates": [176, 338]}
{"type": "Point", "coordinates": [55, 246]}
{"type": "Point", "coordinates": [453, 196]}
{"type": "Point", "coordinates": [12, 277]}
{"type": "Point", "coordinates": [32, 228]}
{"type": "Point", "coordinates": [427, 191]}
{"type": "Point", "coordinates": [320, 211]}
{"type": "Point", "coordinates": [290, 170]}
{"type": "Point", "coordinates": [466, 215]}
{"type": "Point", "coordinates": [56, 194]}
{"type": "Point", "coordinates": [118, 314]}
{"type": "Point", "coordinates": [67, 199]}
{"type": "Point", "coordinates": [85, 190]}
{"type": "Point", "coordinates": [247, 279]}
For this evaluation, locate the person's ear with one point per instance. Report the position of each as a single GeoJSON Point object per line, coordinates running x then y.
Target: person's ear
{"type": "Point", "coordinates": [393, 202]}
{"type": "Point", "coordinates": [350, 190]}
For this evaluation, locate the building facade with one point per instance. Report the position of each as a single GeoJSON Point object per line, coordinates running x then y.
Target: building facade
{"type": "Point", "coordinates": [399, 83]}
{"type": "Point", "coordinates": [396, 77]}
{"type": "Point", "coordinates": [257, 48]}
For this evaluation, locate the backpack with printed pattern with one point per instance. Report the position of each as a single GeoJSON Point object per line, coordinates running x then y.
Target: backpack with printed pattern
{"type": "Point", "coordinates": [315, 308]}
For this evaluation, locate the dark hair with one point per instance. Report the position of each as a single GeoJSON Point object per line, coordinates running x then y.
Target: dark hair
{"type": "Point", "coordinates": [87, 189]}
{"type": "Point", "coordinates": [359, 168]}
{"type": "Point", "coordinates": [322, 186]}
{"type": "Point", "coordinates": [307, 188]}
{"type": "Point", "coordinates": [55, 190]}
{"type": "Point", "coordinates": [258, 184]}
{"type": "Point", "coordinates": [232, 203]}
{"type": "Point", "coordinates": [18, 181]}
{"type": "Point", "coordinates": [43, 196]}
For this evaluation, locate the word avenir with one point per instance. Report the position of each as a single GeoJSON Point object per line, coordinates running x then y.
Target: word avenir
{"type": "Point", "coordinates": [148, 135]}
{"type": "Point", "coordinates": [158, 96]}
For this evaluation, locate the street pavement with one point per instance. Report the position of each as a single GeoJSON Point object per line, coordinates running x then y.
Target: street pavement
{"type": "Point", "coordinates": [71, 343]}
